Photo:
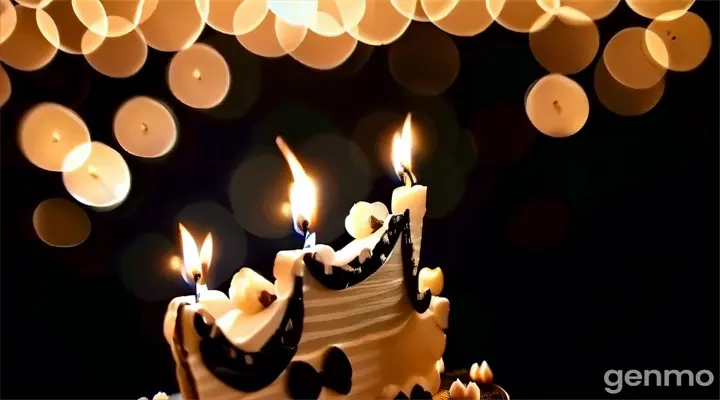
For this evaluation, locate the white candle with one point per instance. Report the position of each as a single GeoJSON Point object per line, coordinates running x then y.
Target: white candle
{"type": "Point", "coordinates": [411, 196]}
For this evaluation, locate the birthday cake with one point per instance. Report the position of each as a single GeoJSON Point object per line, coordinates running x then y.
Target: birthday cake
{"type": "Point", "coordinates": [365, 321]}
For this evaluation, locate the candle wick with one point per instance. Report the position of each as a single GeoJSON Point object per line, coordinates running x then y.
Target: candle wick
{"type": "Point", "coordinates": [556, 105]}
{"type": "Point", "coordinates": [305, 226]}
{"type": "Point", "coordinates": [407, 176]}
{"type": "Point", "coordinates": [197, 277]}
{"type": "Point", "coordinates": [55, 137]}
{"type": "Point", "coordinates": [144, 128]}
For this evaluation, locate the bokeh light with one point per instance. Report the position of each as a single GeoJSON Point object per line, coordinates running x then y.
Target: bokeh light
{"type": "Point", "coordinates": [131, 13]}
{"type": "Point", "coordinates": [516, 15]}
{"type": "Point", "coordinates": [685, 38]}
{"type": "Point", "coordinates": [621, 99]}
{"type": "Point", "coordinates": [263, 40]}
{"type": "Point", "coordinates": [258, 189]}
{"type": "Point", "coordinates": [557, 106]}
{"type": "Point", "coordinates": [323, 52]}
{"type": "Point", "coordinates": [411, 9]}
{"type": "Point", "coordinates": [145, 127]}
{"type": "Point", "coordinates": [424, 60]}
{"type": "Point", "coordinates": [221, 15]}
{"type": "Point", "coordinates": [26, 48]}
{"type": "Point", "coordinates": [144, 268]}
{"type": "Point", "coordinates": [594, 9]}
{"type": "Point", "coordinates": [8, 19]}
{"type": "Point", "coordinates": [49, 132]}
{"type": "Point", "coordinates": [199, 76]}
{"type": "Point", "coordinates": [294, 12]}
{"type": "Point", "coordinates": [381, 24]}
{"type": "Point", "coordinates": [229, 239]}
{"type": "Point", "coordinates": [245, 87]}
{"type": "Point", "coordinates": [438, 9]}
{"type": "Point", "coordinates": [567, 43]}
{"type": "Point", "coordinates": [628, 59]}
{"type": "Point", "coordinates": [102, 181]}
{"type": "Point", "coordinates": [5, 86]}
{"type": "Point", "coordinates": [335, 18]}
{"type": "Point", "coordinates": [654, 8]}
{"type": "Point", "coordinates": [175, 24]}
{"type": "Point", "coordinates": [289, 36]}
{"type": "Point", "coordinates": [116, 57]}
{"type": "Point", "coordinates": [64, 23]}
{"type": "Point", "coordinates": [247, 16]}
{"type": "Point", "coordinates": [61, 223]}
{"type": "Point", "coordinates": [467, 18]}
{"type": "Point", "coordinates": [33, 3]}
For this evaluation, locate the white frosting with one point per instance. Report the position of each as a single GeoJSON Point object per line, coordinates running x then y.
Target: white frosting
{"type": "Point", "coordinates": [386, 341]}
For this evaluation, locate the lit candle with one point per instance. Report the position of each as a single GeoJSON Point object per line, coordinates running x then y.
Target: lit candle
{"type": "Point", "coordinates": [102, 180]}
{"type": "Point", "coordinates": [411, 197]}
{"type": "Point", "coordinates": [196, 263]}
{"type": "Point", "coordinates": [483, 375]}
{"type": "Point", "coordinates": [303, 195]}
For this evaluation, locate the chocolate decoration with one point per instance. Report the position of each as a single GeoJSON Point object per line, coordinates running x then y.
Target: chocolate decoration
{"type": "Point", "coordinates": [411, 277]}
{"type": "Point", "coordinates": [187, 381]}
{"type": "Point", "coordinates": [417, 393]}
{"type": "Point", "coordinates": [361, 267]}
{"type": "Point", "coordinates": [375, 223]}
{"type": "Point", "coordinates": [304, 383]}
{"type": "Point", "coordinates": [266, 299]}
{"type": "Point", "coordinates": [252, 371]}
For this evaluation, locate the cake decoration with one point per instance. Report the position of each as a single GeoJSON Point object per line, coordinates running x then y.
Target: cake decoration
{"type": "Point", "coordinates": [359, 269]}
{"type": "Point", "coordinates": [251, 371]}
{"type": "Point", "coordinates": [365, 219]}
{"type": "Point", "coordinates": [305, 383]}
{"type": "Point", "coordinates": [351, 322]}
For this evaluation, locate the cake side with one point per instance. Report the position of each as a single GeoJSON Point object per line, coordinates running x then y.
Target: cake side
{"type": "Point", "coordinates": [388, 344]}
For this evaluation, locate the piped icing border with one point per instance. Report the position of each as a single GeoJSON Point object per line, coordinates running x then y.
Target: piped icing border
{"type": "Point", "coordinates": [252, 371]}
{"type": "Point", "coordinates": [359, 269]}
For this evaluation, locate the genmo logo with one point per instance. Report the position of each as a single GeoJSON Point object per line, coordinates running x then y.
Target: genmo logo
{"type": "Point", "coordinates": [615, 379]}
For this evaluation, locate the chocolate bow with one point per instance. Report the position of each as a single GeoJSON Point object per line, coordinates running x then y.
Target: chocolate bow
{"type": "Point", "coordinates": [304, 382]}
{"type": "Point", "coordinates": [418, 393]}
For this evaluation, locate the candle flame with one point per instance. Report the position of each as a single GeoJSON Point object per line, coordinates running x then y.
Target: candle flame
{"type": "Point", "coordinates": [303, 195]}
{"type": "Point", "coordinates": [195, 263]}
{"type": "Point", "coordinates": [402, 151]}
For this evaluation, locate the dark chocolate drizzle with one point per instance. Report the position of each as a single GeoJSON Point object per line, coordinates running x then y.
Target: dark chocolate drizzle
{"type": "Point", "coordinates": [252, 371]}
{"type": "Point", "coordinates": [305, 383]}
{"type": "Point", "coordinates": [187, 381]}
{"type": "Point", "coordinates": [361, 268]}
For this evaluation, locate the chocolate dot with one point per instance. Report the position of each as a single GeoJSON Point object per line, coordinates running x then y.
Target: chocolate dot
{"type": "Point", "coordinates": [375, 223]}
{"type": "Point", "coordinates": [266, 298]}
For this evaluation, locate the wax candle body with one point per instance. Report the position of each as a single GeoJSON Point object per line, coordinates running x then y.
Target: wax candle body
{"type": "Point", "coordinates": [412, 198]}
{"type": "Point", "coordinates": [216, 302]}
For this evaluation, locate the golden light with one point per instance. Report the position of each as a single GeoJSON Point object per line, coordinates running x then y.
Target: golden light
{"type": "Point", "coordinates": [402, 152]}
{"type": "Point", "coordinates": [303, 195]}
{"type": "Point", "coordinates": [195, 264]}
{"type": "Point", "coordinates": [176, 263]}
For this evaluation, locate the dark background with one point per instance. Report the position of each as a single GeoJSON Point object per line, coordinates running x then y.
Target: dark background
{"type": "Point", "coordinates": [563, 258]}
